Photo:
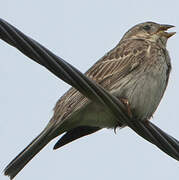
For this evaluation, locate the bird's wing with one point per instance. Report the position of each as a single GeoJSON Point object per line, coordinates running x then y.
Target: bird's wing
{"type": "Point", "coordinates": [107, 72]}
{"type": "Point", "coordinates": [116, 64]}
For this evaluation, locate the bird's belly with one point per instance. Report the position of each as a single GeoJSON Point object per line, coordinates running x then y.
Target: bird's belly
{"type": "Point", "coordinates": [94, 115]}
{"type": "Point", "coordinates": [144, 93]}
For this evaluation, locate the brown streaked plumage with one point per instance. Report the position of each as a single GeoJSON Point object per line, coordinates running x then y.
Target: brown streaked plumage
{"type": "Point", "coordinates": [137, 70]}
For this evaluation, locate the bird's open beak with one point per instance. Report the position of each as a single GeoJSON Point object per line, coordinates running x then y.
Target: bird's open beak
{"type": "Point", "coordinates": [163, 30]}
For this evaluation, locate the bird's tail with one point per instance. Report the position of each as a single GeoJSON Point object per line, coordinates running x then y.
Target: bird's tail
{"type": "Point", "coordinates": [18, 163]}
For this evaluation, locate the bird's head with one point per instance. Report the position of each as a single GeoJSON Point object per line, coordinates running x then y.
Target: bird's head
{"type": "Point", "coordinates": [151, 31]}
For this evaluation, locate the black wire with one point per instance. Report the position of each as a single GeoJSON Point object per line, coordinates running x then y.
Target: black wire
{"type": "Point", "coordinates": [87, 87]}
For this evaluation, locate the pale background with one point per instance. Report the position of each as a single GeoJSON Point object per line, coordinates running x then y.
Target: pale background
{"type": "Point", "coordinates": [81, 32]}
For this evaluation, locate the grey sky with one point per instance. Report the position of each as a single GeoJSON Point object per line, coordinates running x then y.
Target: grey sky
{"type": "Point", "coordinates": [81, 32]}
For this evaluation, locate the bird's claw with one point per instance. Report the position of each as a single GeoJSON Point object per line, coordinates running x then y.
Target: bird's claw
{"type": "Point", "coordinates": [126, 103]}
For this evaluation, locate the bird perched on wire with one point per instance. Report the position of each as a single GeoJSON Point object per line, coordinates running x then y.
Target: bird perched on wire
{"type": "Point", "coordinates": [136, 71]}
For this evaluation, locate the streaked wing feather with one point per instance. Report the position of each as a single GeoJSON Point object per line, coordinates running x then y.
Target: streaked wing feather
{"type": "Point", "coordinates": [107, 71]}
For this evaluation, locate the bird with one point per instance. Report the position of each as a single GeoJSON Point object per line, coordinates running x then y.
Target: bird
{"type": "Point", "coordinates": [136, 71]}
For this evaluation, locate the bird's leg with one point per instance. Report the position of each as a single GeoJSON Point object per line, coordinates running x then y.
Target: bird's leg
{"type": "Point", "coordinates": [126, 103]}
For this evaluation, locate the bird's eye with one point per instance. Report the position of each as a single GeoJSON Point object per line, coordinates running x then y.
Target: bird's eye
{"type": "Point", "coordinates": [147, 27]}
